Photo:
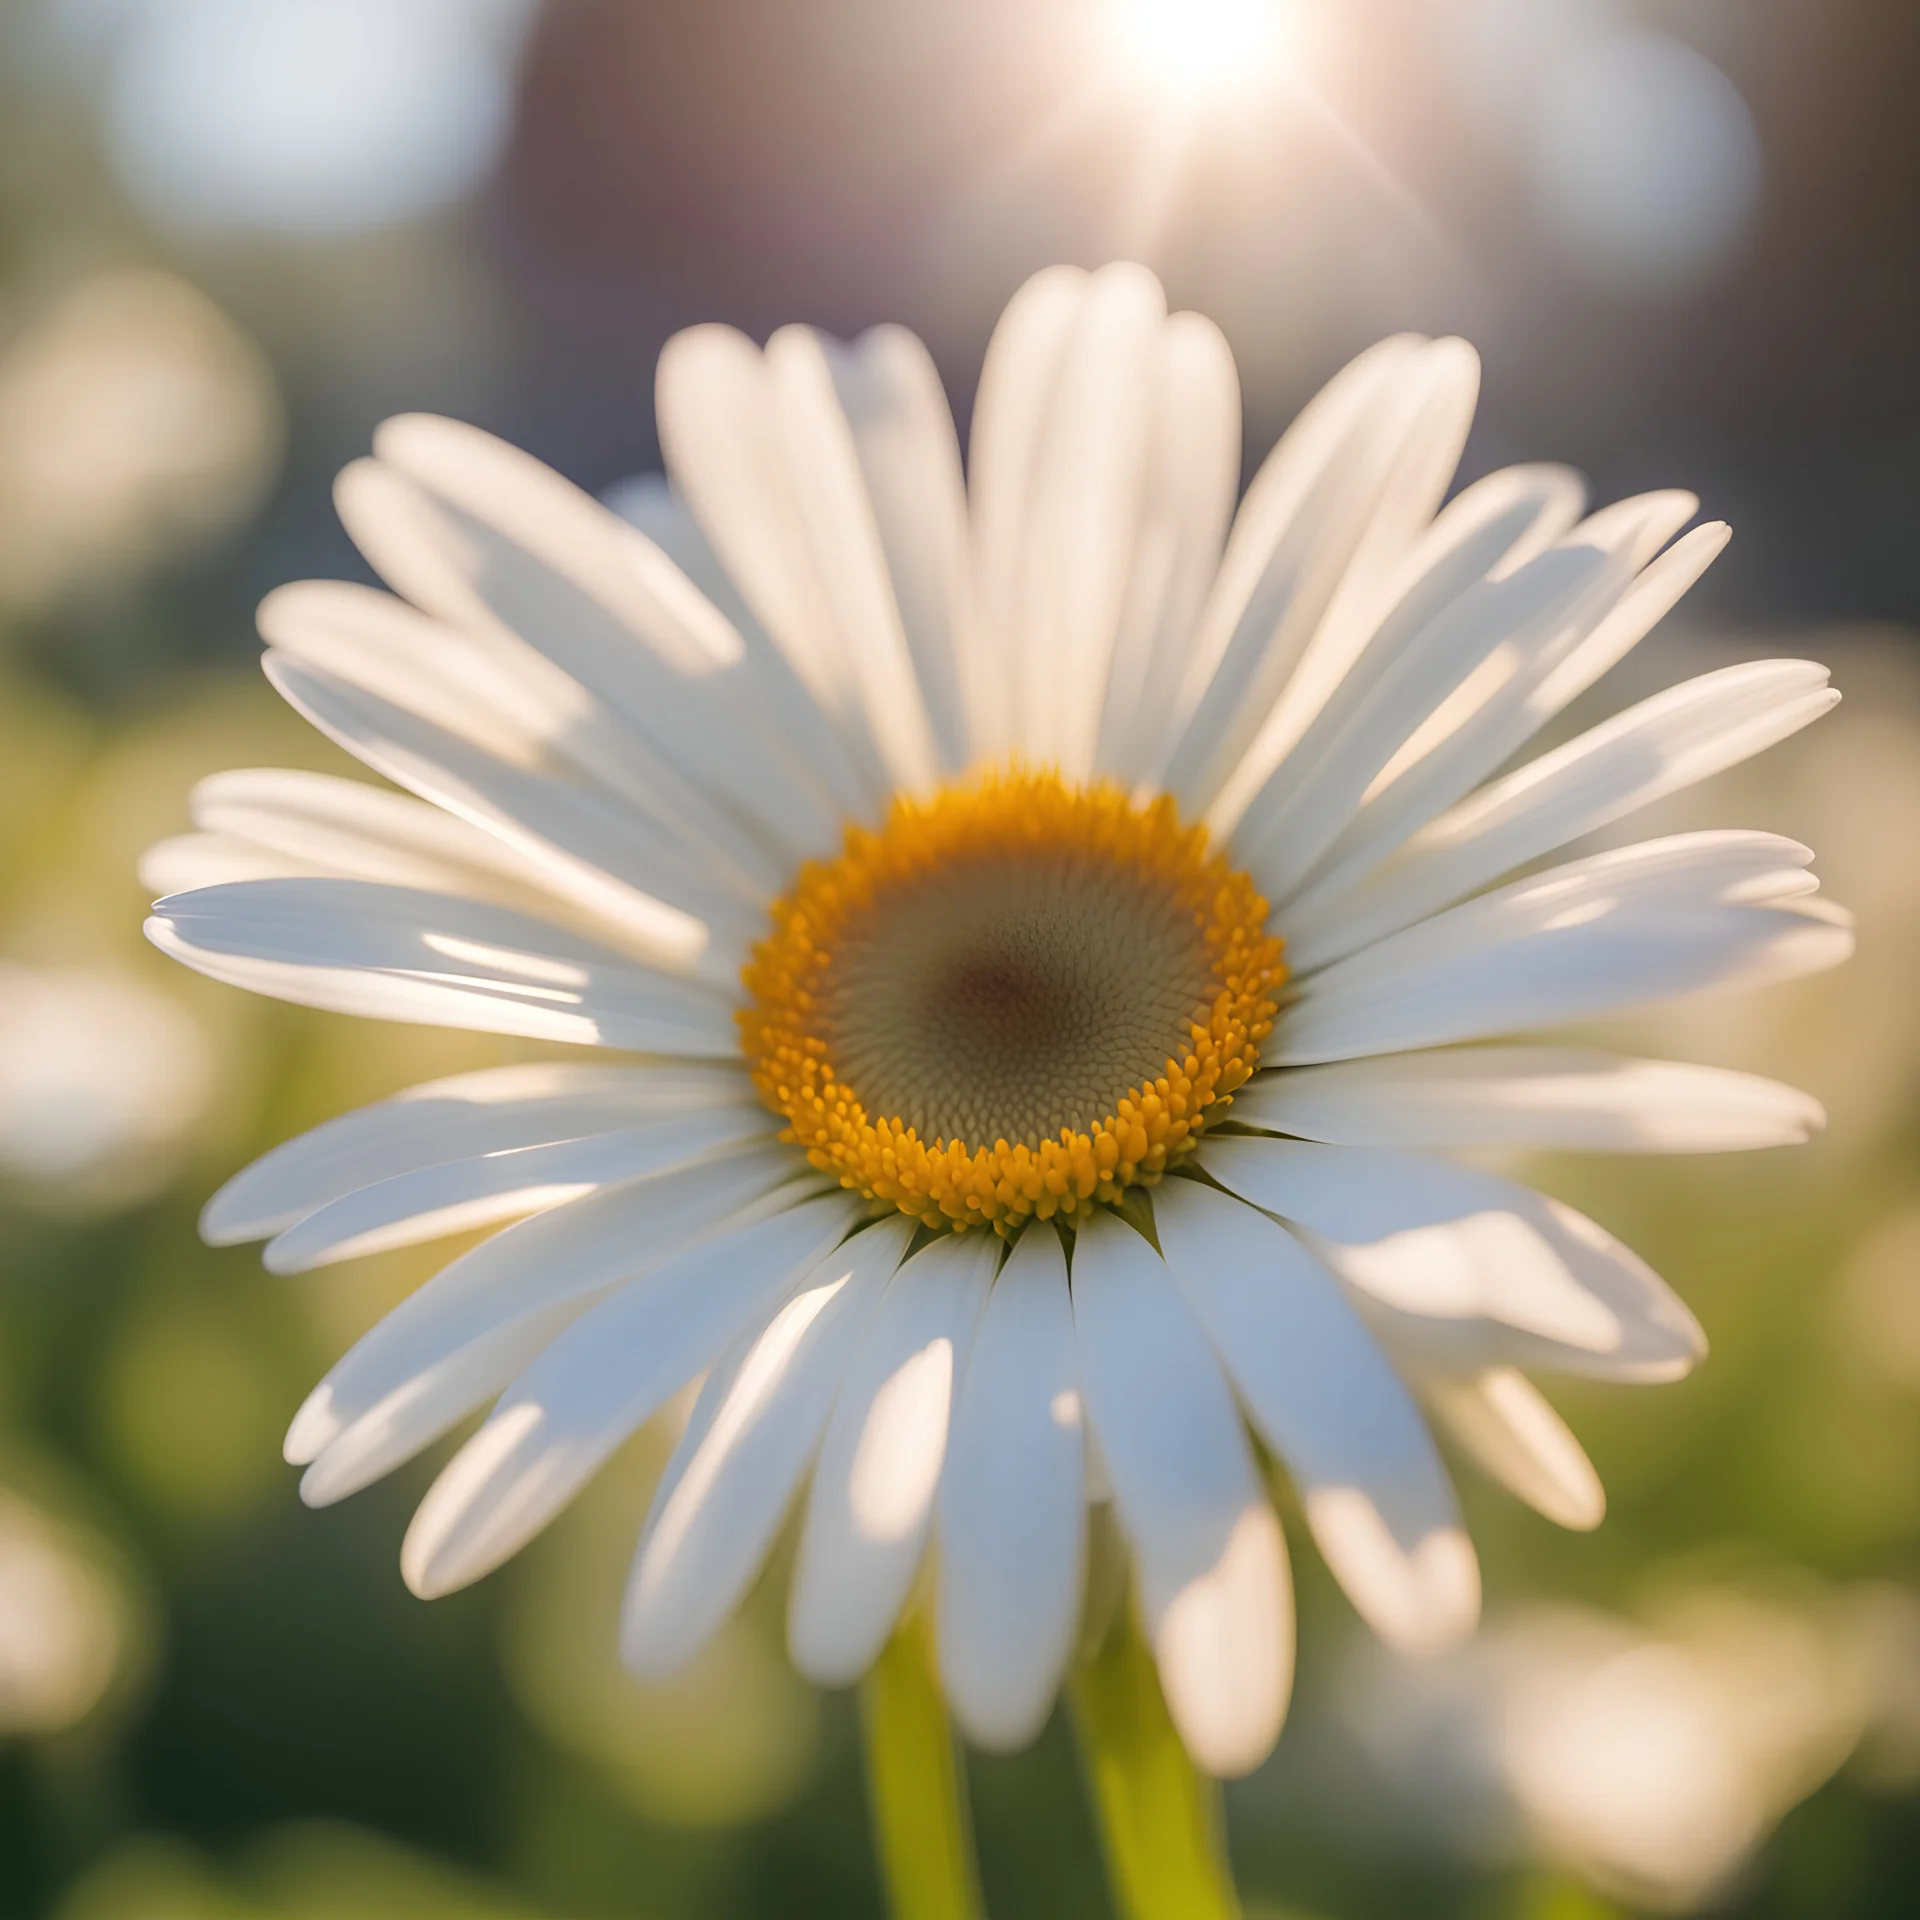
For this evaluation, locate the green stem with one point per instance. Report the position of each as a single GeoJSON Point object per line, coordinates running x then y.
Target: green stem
{"type": "Point", "coordinates": [1159, 1818]}
{"type": "Point", "coordinates": [914, 1788]}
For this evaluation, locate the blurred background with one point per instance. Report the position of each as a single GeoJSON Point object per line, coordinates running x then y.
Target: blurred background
{"type": "Point", "coordinates": [235, 233]}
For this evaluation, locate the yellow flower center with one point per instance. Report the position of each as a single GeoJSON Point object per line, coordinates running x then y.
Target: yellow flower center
{"type": "Point", "coordinates": [1016, 998]}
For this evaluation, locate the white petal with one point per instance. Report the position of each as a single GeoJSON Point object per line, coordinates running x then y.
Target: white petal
{"type": "Point", "coordinates": [1012, 1514]}
{"type": "Point", "coordinates": [1500, 1418]}
{"type": "Point", "coordinates": [1465, 1267]}
{"type": "Point", "coordinates": [1639, 526]}
{"type": "Point", "coordinates": [1018, 381]}
{"type": "Point", "coordinates": [460, 1195]}
{"type": "Point", "coordinates": [521, 546]}
{"type": "Point", "coordinates": [1492, 528]}
{"type": "Point", "coordinates": [359, 831]}
{"type": "Point", "coordinates": [277, 824]}
{"type": "Point", "coordinates": [650, 886]}
{"type": "Point", "coordinates": [283, 824]}
{"type": "Point", "coordinates": [873, 1490]}
{"type": "Point", "coordinates": [186, 862]}
{"type": "Point", "coordinates": [1085, 483]}
{"type": "Point", "coordinates": [493, 1111]}
{"type": "Point", "coordinates": [1617, 930]}
{"type": "Point", "coordinates": [1547, 499]}
{"type": "Point", "coordinates": [719, 430]}
{"type": "Point", "coordinates": [568, 542]}
{"type": "Point", "coordinates": [1660, 587]}
{"type": "Point", "coordinates": [1324, 1398]}
{"type": "Point", "coordinates": [371, 1436]}
{"type": "Point", "coordinates": [393, 954]}
{"type": "Point", "coordinates": [1498, 713]}
{"type": "Point", "coordinates": [1543, 1097]}
{"type": "Point", "coordinates": [1651, 750]}
{"type": "Point", "coordinates": [910, 461]}
{"type": "Point", "coordinates": [1211, 1562]}
{"type": "Point", "coordinates": [726, 448]}
{"type": "Point", "coordinates": [816, 746]}
{"type": "Point", "coordinates": [1313, 795]}
{"type": "Point", "coordinates": [1426, 435]}
{"type": "Point", "coordinates": [849, 559]}
{"type": "Point", "coordinates": [611, 1370]}
{"type": "Point", "coordinates": [429, 1402]}
{"type": "Point", "coordinates": [1287, 547]}
{"type": "Point", "coordinates": [751, 1438]}
{"type": "Point", "coordinates": [1191, 477]}
{"type": "Point", "coordinates": [1325, 526]}
{"type": "Point", "coordinates": [490, 688]}
{"type": "Point", "coordinates": [484, 685]}
{"type": "Point", "coordinates": [572, 1253]}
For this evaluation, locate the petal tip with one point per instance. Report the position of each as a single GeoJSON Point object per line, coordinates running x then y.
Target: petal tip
{"type": "Point", "coordinates": [312, 1429]}
{"type": "Point", "coordinates": [994, 1731]}
{"type": "Point", "coordinates": [283, 1260]}
{"type": "Point", "coordinates": [649, 1648]}
{"type": "Point", "coordinates": [223, 1221]}
{"type": "Point", "coordinates": [428, 1571]}
{"type": "Point", "coordinates": [322, 1487]}
{"type": "Point", "coordinates": [1582, 1510]}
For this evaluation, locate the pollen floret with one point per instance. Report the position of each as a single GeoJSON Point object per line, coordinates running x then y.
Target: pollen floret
{"type": "Point", "coordinates": [1015, 999]}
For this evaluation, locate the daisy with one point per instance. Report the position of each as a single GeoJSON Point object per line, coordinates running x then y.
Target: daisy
{"type": "Point", "coordinates": [1057, 923]}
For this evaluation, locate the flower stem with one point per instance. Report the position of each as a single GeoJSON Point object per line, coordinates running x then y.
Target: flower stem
{"type": "Point", "coordinates": [914, 1787]}
{"type": "Point", "coordinates": [1159, 1818]}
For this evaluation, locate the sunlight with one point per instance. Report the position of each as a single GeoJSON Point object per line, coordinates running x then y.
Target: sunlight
{"type": "Point", "coordinates": [1195, 48]}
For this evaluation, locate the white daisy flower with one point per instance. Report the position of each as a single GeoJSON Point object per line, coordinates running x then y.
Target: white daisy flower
{"type": "Point", "coordinates": [972, 853]}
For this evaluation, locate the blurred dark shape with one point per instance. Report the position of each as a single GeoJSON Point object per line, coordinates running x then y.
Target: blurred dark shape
{"type": "Point", "coordinates": [852, 161]}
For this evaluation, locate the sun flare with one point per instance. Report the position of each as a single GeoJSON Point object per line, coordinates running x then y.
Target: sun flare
{"type": "Point", "coordinates": [1194, 49]}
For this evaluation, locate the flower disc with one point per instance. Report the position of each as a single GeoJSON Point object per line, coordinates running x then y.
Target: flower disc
{"type": "Point", "coordinates": [1016, 998]}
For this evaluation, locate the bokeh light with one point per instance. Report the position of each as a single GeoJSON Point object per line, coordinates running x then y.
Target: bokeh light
{"type": "Point", "coordinates": [1652, 1757]}
{"type": "Point", "coordinates": [1646, 163]}
{"type": "Point", "coordinates": [64, 1619]}
{"type": "Point", "coordinates": [137, 422]}
{"type": "Point", "coordinates": [99, 1074]}
{"type": "Point", "coordinates": [309, 117]}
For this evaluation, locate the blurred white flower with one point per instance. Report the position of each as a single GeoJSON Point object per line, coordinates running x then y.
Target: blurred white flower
{"type": "Point", "coordinates": [63, 1626]}
{"type": "Point", "coordinates": [308, 117]}
{"type": "Point", "coordinates": [99, 1072]}
{"type": "Point", "coordinates": [1653, 1759]}
{"type": "Point", "coordinates": [135, 418]}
